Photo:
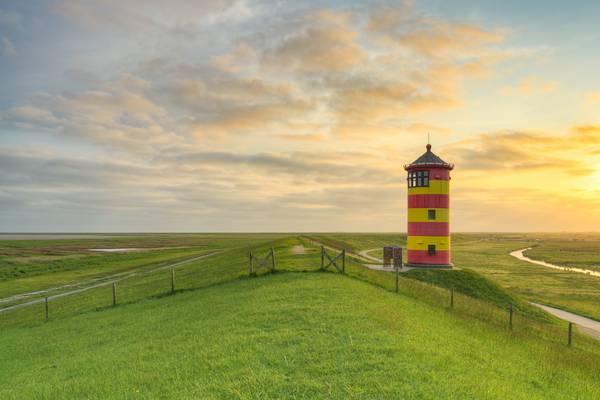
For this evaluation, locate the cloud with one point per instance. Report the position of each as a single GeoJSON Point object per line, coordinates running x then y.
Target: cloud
{"type": "Point", "coordinates": [324, 42]}
{"type": "Point", "coordinates": [232, 115]}
{"type": "Point", "coordinates": [239, 189]}
{"type": "Point", "coordinates": [328, 71]}
{"type": "Point", "coordinates": [143, 17]}
{"type": "Point", "coordinates": [10, 18]}
{"type": "Point", "coordinates": [526, 152]}
{"type": "Point", "coordinates": [428, 36]}
{"type": "Point", "coordinates": [7, 48]}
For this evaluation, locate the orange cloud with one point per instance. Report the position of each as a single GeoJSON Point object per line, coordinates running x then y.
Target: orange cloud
{"type": "Point", "coordinates": [326, 43]}
{"type": "Point", "coordinates": [523, 151]}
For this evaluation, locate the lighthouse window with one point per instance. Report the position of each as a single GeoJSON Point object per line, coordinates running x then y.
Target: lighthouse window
{"type": "Point", "coordinates": [431, 214]}
{"type": "Point", "coordinates": [418, 179]}
{"type": "Point", "coordinates": [431, 249]}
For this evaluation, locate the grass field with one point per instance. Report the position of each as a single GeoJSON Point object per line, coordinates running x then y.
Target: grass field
{"type": "Point", "coordinates": [296, 334]}
{"type": "Point", "coordinates": [308, 335]}
{"type": "Point", "coordinates": [579, 251]}
{"type": "Point", "coordinates": [33, 265]}
{"type": "Point", "coordinates": [488, 255]}
{"type": "Point", "coordinates": [487, 271]}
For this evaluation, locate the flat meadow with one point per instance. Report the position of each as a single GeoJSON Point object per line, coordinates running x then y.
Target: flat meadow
{"type": "Point", "coordinates": [296, 333]}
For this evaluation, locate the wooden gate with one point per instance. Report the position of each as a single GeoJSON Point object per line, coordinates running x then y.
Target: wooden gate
{"type": "Point", "coordinates": [333, 261]}
{"type": "Point", "coordinates": [264, 263]}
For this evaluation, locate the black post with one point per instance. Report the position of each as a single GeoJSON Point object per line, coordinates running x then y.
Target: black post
{"type": "Point", "coordinates": [46, 308]}
{"type": "Point", "coordinates": [400, 263]}
{"type": "Point", "coordinates": [510, 317]}
{"type": "Point", "coordinates": [273, 259]}
{"type": "Point", "coordinates": [343, 261]}
{"type": "Point", "coordinates": [114, 293]}
{"type": "Point", "coordinates": [251, 266]}
{"type": "Point", "coordinates": [172, 280]}
{"type": "Point", "coordinates": [322, 257]}
{"type": "Point", "coordinates": [452, 298]}
{"type": "Point", "coordinates": [397, 278]}
{"type": "Point", "coordinates": [570, 333]}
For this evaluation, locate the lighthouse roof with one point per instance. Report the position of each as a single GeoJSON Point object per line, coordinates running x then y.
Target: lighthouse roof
{"type": "Point", "coordinates": [429, 159]}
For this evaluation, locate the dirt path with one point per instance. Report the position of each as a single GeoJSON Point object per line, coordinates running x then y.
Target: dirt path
{"type": "Point", "coordinates": [365, 254]}
{"type": "Point", "coordinates": [519, 255]}
{"type": "Point", "coordinates": [82, 286]}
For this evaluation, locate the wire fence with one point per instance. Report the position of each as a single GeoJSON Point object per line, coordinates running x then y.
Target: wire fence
{"type": "Point", "coordinates": [231, 265]}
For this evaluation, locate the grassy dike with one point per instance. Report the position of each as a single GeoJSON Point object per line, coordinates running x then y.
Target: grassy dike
{"type": "Point", "coordinates": [287, 335]}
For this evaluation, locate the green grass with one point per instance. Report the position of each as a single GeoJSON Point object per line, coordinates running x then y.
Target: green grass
{"type": "Point", "coordinates": [575, 252]}
{"type": "Point", "coordinates": [487, 254]}
{"type": "Point", "coordinates": [32, 265]}
{"type": "Point", "coordinates": [309, 335]}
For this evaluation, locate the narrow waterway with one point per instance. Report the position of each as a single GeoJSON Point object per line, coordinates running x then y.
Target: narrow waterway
{"type": "Point", "coordinates": [586, 325]}
{"type": "Point", "coordinates": [519, 254]}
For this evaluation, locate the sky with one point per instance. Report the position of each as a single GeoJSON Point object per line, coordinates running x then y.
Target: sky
{"type": "Point", "coordinates": [240, 115]}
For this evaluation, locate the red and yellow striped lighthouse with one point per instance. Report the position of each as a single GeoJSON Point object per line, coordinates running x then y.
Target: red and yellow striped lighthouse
{"type": "Point", "coordinates": [428, 241]}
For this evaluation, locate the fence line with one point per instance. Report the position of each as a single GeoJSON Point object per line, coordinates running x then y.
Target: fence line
{"type": "Point", "coordinates": [458, 302]}
{"type": "Point", "coordinates": [105, 281]}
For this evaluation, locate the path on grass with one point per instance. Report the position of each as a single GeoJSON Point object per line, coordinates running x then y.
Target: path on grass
{"type": "Point", "coordinates": [365, 254]}
{"type": "Point", "coordinates": [519, 255]}
{"type": "Point", "coordinates": [82, 286]}
{"type": "Point", "coordinates": [585, 325]}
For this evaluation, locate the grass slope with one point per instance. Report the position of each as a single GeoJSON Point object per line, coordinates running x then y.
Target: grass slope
{"type": "Point", "coordinates": [488, 255]}
{"type": "Point", "coordinates": [463, 281]}
{"type": "Point", "coordinates": [291, 335]}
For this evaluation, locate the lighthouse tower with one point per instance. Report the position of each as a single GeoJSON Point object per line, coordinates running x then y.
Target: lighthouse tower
{"type": "Point", "coordinates": [428, 242]}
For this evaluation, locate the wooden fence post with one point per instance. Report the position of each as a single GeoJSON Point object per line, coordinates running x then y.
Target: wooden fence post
{"type": "Point", "coordinates": [397, 279]}
{"type": "Point", "coordinates": [570, 333]}
{"type": "Point", "coordinates": [510, 317]}
{"type": "Point", "coordinates": [273, 259]}
{"type": "Point", "coordinates": [452, 298]}
{"type": "Point", "coordinates": [343, 261]}
{"type": "Point", "coordinates": [46, 308]}
{"type": "Point", "coordinates": [250, 266]}
{"type": "Point", "coordinates": [172, 280]}
{"type": "Point", "coordinates": [322, 257]}
{"type": "Point", "coordinates": [114, 293]}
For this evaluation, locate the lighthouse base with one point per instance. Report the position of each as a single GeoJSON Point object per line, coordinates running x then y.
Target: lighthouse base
{"type": "Point", "coordinates": [423, 266]}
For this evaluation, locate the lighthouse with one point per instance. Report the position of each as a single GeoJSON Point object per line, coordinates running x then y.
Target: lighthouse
{"type": "Point", "coordinates": [428, 239]}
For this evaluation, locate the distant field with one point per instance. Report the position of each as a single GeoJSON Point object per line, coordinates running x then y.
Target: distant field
{"type": "Point", "coordinates": [308, 336]}
{"type": "Point", "coordinates": [39, 264]}
{"type": "Point", "coordinates": [579, 251]}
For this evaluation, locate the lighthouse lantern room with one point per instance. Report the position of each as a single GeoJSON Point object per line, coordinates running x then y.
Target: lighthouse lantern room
{"type": "Point", "coordinates": [428, 241]}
